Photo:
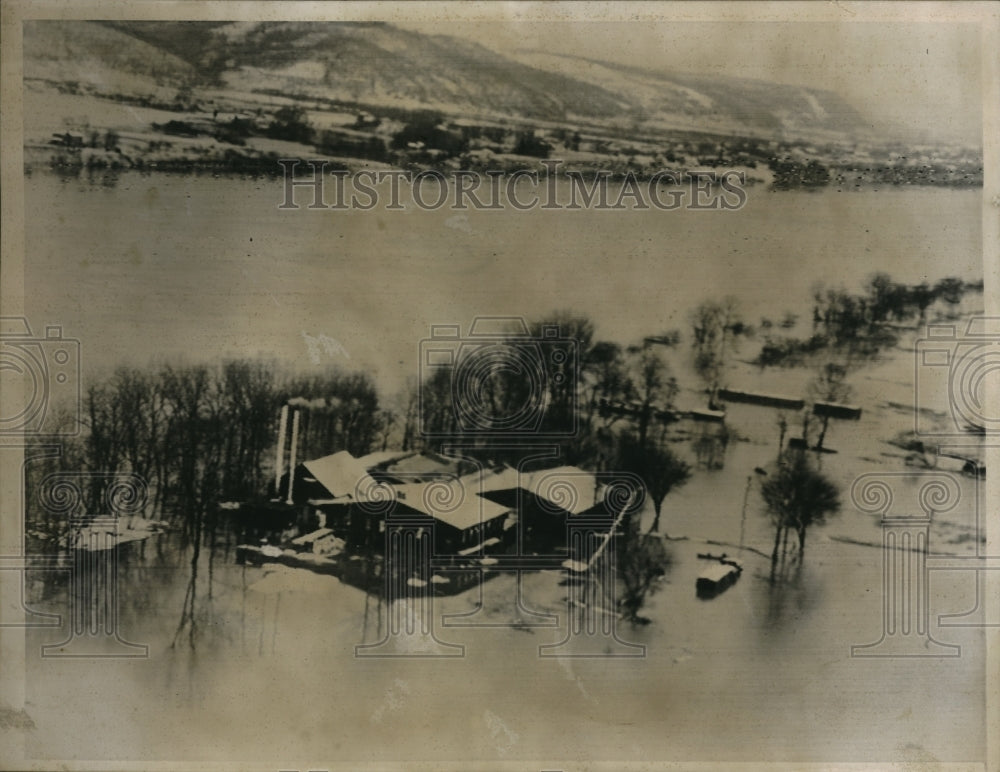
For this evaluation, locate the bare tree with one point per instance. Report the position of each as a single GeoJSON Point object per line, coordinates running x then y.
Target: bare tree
{"type": "Point", "coordinates": [830, 385]}
{"type": "Point", "coordinates": [604, 378]}
{"type": "Point", "coordinates": [660, 469]}
{"type": "Point", "coordinates": [717, 327]}
{"type": "Point", "coordinates": [574, 346]}
{"type": "Point", "coordinates": [651, 383]}
{"type": "Point", "coordinates": [951, 291]}
{"type": "Point", "coordinates": [387, 421]}
{"type": "Point", "coordinates": [798, 496]}
{"type": "Point", "coordinates": [782, 422]}
{"type": "Point", "coordinates": [642, 561]}
{"type": "Point", "coordinates": [408, 400]}
{"type": "Point", "coordinates": [642, 558]}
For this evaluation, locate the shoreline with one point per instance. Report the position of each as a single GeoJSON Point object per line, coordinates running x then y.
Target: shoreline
{"type": "Point", "coordinates": [232, 132]}
{"type": "Point", "coordinates": [242, 163]}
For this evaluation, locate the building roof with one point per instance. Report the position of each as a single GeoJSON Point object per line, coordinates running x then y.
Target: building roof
{"type": "Point", "coordinates": [450, 502]}
{"type": "Point", "coordinates": [313, 536]}
{"type": "Point", "coordinates": [718, 572]}
{"type": "Point", "coordinates": [490, 480]}
{"type": "Point", "coordinates": [342, 475]}
{"type": "Point", "coordinates": [421, 467]}
{"type": "Point", "coordinates": [568, 488]}
{"type": "Point", "coordinates": [386, 457]}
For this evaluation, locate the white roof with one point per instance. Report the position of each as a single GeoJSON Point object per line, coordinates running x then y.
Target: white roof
{"type": "Point", "coordinates": [569, 488]}
{"type": "Point", "coordinates": [717, 572]}
{"type": "Point", "coordinates": [414, 467]}
{"type": "Point", "coordinates": [342, 475]}
{"type": "Point", "coordinates": [384, 457]}
{"type": "Point", "coordinates": [492, 480]}
{"type": "Point", "coordinates": [450, 502]}
{"type": "Point", "coordinates": [312, 536]}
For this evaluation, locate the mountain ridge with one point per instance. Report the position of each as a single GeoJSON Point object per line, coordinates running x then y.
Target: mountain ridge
{"type": "Point", "coordinates": [377, 63]}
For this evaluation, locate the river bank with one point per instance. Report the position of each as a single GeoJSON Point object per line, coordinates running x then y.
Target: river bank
{"type": "Point", "coordinates": [247, 133]}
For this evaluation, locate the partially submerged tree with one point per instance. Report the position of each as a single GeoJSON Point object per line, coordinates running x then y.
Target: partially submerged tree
{"type": "Point", "coordinates": [660, 469]}
{"type": "Point", "coordinates": [652, 383]}
{"type": "Point", "coordinates": [798, 496]}
{"type": "Point", "coordinates": [642, 558]}
{"type": "Point", "coordinates": [642, 561]}
{"type": "Point", "coordinates": [604, 378]}
{"type": "Point", "coordinates": [887, 299]}
{"type": "Point", "coordinates": [716, 327]}
{"type": "Point", "coordinates": [922, 296]}
{"type": "Point", "coordinates": [950, 290]}
{"type": "Point", "coordinates": [829, 385]}
{"type": "Point", "coordinates": [782, 423]}
{"type": "Point", "coordinates": [566, 355]}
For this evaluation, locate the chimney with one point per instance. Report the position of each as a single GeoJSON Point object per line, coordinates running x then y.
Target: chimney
{"type": "Point", "coordinates": [293, 453]}
{"type": "Point", "coordinates": [280, 460]}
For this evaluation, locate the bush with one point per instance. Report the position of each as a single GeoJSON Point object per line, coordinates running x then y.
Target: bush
{"type": "Point", "coordinates": [290, 124]}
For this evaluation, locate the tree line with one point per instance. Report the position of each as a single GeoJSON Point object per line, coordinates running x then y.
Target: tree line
{"type": "Point", "coordinates": [860, 325]}
{"type": "Point", "coordinates": [201, 434]}
{"type": "Point", "coordinates": [198, 435]}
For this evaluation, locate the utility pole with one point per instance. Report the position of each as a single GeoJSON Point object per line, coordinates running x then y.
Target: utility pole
{"type": "Point", "coordinates": [743, 511]}
{"type": "Point", "coordinates": [746, 495]}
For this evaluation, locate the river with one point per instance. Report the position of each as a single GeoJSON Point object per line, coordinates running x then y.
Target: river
{"type": "Point", "coordinates": [208, 267]}
{"type": "Point", "coordinates": [152, 267]}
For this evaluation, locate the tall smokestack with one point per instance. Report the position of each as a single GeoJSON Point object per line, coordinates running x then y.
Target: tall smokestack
{"type": "Point", "coordinates": [280, 460]}
{"type": "Point", "coordinates": [293, 454]}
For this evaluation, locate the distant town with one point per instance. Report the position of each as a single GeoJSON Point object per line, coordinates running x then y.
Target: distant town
{"type": "Point", "coordinates": [235, 98]}
{"type": "Point", "coordinates": [226, 135]}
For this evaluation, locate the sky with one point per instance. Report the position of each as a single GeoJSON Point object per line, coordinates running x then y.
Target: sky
{"type": "Point", "coordinates": [923, 76]}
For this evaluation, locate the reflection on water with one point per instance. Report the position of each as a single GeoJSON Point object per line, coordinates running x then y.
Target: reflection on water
{"type": "Point", "coordinates": [234, 672]}
{"type": "Point", "coordinates": [205, 256]}
{"type": "Point", "coordinates": [794, 593]}
{"type": "Point", "coordinates": [760, 651]}
{"type": "Point", "coordinates": [750, 662]}
{"type": "Point", "coordinates": [94, 177]}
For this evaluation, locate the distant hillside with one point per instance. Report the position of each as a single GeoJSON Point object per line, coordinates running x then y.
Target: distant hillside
{"type": "Point", "coordinates": [373, 63]}
{"type": "Point", "coordinates": [379, 64]}
{"type": "Point", "coordinates": [106, 59]}
{"type": "Point", "coordinates": [705, 100]}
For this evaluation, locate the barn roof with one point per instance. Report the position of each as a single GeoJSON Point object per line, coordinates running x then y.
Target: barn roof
{"type": "Point", "coordinates": [342, 475]}
{"type": "Point", "coordinates": [568, 488]}
{"type": "Point", "coordinates": [450, 502]}
{"type": "Point", "coordinates": [419, 467]}
{"type": "Point", "coordinates": [386, 457]}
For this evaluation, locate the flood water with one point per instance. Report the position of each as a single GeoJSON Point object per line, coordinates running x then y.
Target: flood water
{"type": "Point", "coordinates": [160, 266]}
{"type": "Point", "coordinates": [208, 267]}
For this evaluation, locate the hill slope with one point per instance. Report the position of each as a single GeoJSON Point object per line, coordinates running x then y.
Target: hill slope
{"type": "Point", "coordinates": [708, 99]}
{"type": "Point", "coordinates": [108, 60]}
{"type": "Point", "coordinates": [379, 64]}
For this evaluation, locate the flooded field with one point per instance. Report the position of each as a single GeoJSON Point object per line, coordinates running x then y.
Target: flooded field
{"type": "Point", "coordinates": [763, 671]}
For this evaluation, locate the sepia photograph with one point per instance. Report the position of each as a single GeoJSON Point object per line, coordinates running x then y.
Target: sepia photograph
{"type": "Point", "coordinates": [499, 386]}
